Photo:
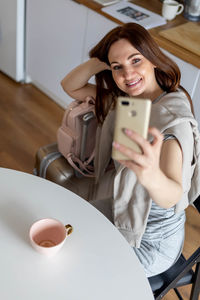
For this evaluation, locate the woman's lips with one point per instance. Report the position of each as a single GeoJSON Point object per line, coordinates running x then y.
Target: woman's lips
{"type": "Point", "coordinates": [133, 83]}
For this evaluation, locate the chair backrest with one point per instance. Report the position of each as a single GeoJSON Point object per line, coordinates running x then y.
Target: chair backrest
{"type": "Point", "coordinates": [179, 274]}
{"type": "Point", "coordinates": [197, 204]}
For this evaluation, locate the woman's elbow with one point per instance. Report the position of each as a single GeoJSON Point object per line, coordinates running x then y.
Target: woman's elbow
{"type": "Point", "coordinates": [64, 85]}
{"type": "Point", "coordinates": [175, 198]}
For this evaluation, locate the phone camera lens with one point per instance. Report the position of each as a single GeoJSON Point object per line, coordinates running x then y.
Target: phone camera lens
{"type": "Point", "coordinates": [125, 103]}
{"type": "Point", "coordinates": [132, 113]}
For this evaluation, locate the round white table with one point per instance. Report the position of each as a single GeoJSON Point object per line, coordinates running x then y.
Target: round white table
{"type": "Point", "coordinates": [95, 263]}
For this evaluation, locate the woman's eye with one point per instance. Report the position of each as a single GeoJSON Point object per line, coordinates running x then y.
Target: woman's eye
{"type": "Point", "coordinates": [136, 60]}
{"type": "Point", "coordinates": [116, 68]}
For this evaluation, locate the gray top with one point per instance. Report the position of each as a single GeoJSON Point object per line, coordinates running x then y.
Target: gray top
{"type": "Point", "coordinates": [163, 223]}
{"type": "Point", "coordinates": [131, 204]}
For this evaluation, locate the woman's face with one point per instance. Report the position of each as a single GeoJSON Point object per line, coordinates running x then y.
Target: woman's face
{"type": "Point", "coordinates": [131, 71]}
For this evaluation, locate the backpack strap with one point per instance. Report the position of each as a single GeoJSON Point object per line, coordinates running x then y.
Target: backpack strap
{"type": "Point", "coordinates": [82, 167]}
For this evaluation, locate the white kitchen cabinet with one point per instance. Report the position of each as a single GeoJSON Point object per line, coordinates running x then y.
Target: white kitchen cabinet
{"type": "Point", "coordinates": [189, 73]}
{"type": "Point", "coordinates": [97, 27]}
{"type": "Point", "coordinates": [59, 36]}
{"type": "Point", "coordinates": [55, 38]}
{"type": "Point", "coordinates": [190, 80]}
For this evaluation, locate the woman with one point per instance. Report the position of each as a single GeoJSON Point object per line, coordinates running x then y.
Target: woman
{"type": "Point", "coordinates": [144, 197]}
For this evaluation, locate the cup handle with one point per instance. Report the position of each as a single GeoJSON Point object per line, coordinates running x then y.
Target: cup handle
{"type": "Point", "coordinates": [180, 9]}
{"type": "Point", "coordinates": [69, 229]}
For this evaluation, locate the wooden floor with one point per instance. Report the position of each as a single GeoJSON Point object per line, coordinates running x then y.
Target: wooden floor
{"type": "Point", "coordinates": [29, 120]}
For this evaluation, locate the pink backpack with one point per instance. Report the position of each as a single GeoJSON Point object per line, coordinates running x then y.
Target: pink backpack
{"type": "Point", "coordinates": [76, 135]}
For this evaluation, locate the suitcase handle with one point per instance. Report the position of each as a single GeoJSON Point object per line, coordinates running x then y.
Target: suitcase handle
{"type": "Point", "coordinates": [86, 120]}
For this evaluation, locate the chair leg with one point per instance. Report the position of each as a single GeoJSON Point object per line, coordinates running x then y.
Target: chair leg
{"type": "Point", "coordinates": [178, 294]}
{"type": "Point", "coordinates": [196, 286]}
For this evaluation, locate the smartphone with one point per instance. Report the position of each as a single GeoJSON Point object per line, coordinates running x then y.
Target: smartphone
{"type": "Point", "coordinates": [131, 113]}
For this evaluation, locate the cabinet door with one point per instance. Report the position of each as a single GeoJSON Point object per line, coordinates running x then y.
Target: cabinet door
{"type": "Point", "coordinates": [190, 80]}
{"type": "Point", "coordinates": [97, 27]}
{"type": "Point", "coordinates": [189, 73]}
{"type": "Point", "coordinates": [55, 36]}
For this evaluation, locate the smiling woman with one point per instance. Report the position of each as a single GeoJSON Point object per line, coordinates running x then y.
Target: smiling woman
{"type": "Point", "coordinates": [146, 195]}
{"type": "Point", "coordinates": [165, 71]}
{"type": "Point", "coordinates": [132, 72]}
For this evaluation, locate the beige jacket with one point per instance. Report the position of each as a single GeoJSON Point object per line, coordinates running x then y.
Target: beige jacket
{"type": "Point", "coordinates": [130, 202]}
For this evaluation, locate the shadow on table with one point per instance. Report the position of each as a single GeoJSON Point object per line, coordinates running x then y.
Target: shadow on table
{"type": "Point", "coordinates": [17, 219]}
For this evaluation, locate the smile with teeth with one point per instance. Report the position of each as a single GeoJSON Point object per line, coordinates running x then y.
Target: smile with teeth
{"type": "Point", "coordinates": [133, 83]}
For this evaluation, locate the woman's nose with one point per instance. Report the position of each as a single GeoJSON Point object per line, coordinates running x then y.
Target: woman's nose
{"type": "Point", "coordinates": [128, 72]}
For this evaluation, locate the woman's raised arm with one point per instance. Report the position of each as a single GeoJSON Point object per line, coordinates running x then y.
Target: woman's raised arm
{"type": "Point", "coordinates": [75, 83]}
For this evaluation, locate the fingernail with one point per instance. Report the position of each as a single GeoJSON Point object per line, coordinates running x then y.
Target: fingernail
{"type": "Point", "coordinates": [128, 131]}
{"type": "Point", "coordinates": [115, 144]}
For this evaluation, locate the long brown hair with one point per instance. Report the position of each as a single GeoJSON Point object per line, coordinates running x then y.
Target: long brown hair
{"type": "Point", "coordinates": [167, 72]}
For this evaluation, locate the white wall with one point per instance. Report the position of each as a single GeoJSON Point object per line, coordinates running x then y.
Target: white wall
{"type": "Point", "coordinates": [12, 38]}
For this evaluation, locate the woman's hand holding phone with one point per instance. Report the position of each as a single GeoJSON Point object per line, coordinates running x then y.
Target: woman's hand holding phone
{"type": "Point", "coordinates": [147, 163]}
{"type": "Point", "coordinates": [131, 147]}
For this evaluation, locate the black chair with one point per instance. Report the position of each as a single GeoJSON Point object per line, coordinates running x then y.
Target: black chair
{"type": "Point", "coordinates": [179, 274]}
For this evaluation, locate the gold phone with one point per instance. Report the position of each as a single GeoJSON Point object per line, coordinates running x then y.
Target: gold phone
{"type": "Point", "coordinates": [134, 114]}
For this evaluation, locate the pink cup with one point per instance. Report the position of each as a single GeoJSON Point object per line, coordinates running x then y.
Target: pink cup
{"type": "Point", "coordinates": [47, 236]}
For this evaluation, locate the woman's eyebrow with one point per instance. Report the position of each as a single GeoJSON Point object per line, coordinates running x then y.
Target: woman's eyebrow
{"type": "Point", "coordinates": [130, 56]}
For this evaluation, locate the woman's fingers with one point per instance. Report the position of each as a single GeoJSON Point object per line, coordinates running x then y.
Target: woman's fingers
{"type": "Point", "coordinates": [138, 139]}
{"type": "Point", "coordinates": [157, 139]}
{"type": "Point", "coordinates": [145, 164]}
{"type": "Point", "coordinates": [158, 136]}
{"type": "Point", "coordinates": [130, 164]}
{"type": "Point", "coordinates": [142, 142]}
{"type": "Point", "coordinates": [128, 152]}
{"type": "Point", "coordinates": [147, 149]}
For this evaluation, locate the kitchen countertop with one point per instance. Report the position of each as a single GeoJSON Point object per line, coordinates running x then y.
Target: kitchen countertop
{"type": "Point", "coordinates": [155, 6]}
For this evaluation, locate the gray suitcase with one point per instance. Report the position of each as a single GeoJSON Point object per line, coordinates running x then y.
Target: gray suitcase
{"type": "Point", "coordinates": [51, 165]}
